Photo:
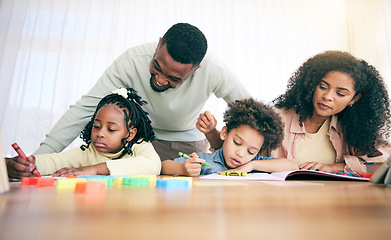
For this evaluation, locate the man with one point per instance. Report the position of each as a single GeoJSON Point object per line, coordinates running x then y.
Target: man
{"type": "Point", "coordinates": [175, 80]}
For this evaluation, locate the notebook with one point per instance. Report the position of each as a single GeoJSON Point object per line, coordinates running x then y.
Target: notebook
{"type": "Point", "coordinates": [289, 175]}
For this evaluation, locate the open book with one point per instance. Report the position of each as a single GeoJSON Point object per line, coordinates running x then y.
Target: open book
{"type": "Point", "coordinates": [290, 175]}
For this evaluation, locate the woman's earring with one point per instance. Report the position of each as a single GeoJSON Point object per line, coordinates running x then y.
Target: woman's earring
{"type": "Point", "coordinates": [350, 105]}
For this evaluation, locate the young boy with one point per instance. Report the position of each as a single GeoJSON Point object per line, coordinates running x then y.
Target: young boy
{"type": "Point", "coordinates": [251, 127]}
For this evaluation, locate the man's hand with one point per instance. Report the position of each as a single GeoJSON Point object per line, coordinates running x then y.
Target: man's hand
{"type": "Point", "coordinates": [206, 122]}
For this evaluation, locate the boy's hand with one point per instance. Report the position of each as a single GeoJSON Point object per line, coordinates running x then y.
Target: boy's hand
{"type": "Point", "coordinates": [248, 167]}
{"type": "Point", "coordinates": [206, 122]}
{"type": "Point", "coordinates": [192, 165]}
{"type": "Point", "coordinates": [19, 167]}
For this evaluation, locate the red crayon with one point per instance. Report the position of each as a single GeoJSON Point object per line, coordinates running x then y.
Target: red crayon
{"type": "Point", "coordinates": [21, 153]}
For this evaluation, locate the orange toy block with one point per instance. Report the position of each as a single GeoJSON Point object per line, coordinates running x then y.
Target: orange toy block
{"type": "Point", "coordinates": [29, 181]}
{"type": "Point", "coordinates": [45, 181]}
{"type": "Point", "coordinates": [91, 187]}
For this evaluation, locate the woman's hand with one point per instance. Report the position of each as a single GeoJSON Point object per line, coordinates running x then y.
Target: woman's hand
{"type": "Point", "coordinates": [317, 166]}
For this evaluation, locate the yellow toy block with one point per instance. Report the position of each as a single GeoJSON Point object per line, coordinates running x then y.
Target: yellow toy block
{"type": "Point", "coordinates": [117, 180]}
{"type": "Point", "coordinates": [68, 183]}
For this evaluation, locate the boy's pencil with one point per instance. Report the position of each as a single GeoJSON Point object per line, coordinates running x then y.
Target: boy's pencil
{"type": "Point", "coordinates": [181, 154]}
{"type": "Point", "coordinates": [21, 153]}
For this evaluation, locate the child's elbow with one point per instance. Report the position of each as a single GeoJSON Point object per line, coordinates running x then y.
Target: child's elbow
{"type": "Point", "coordinates": [156, 166]}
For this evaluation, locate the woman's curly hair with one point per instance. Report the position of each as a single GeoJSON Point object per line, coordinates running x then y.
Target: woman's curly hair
{"type": "Point", "coordinates": [135, 117]}
{"type": "Point", "coordinates": [258, 116]}
{"type": "Point", "coordinates": [367, 123]}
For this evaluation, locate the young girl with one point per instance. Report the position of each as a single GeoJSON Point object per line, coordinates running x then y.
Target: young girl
{"type": "Point", "coordinates": [118, 142]}
{"type": "Point", "coordinates": [336, 113]}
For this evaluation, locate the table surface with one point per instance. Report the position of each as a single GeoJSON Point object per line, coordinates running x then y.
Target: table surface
{"type": "Point", "coordinates": [211, 209]}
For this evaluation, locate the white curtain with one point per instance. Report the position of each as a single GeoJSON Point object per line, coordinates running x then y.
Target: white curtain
{"type": "Point", "coordinates": [53, 51]}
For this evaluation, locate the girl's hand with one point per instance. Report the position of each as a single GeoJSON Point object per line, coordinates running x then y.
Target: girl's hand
{"type": "Point", "coordinates": [19, 167]}
{"type": "Point", "coordinates": [97, 169]}
{"type": "Point", "coordinates": [192, 165]}
{"type": "Point", "coordinates": [206, 122]}
{"type": "Point", "coordinates": [88, 170]}
{"type": "Point", "coordinates": [316, 166]}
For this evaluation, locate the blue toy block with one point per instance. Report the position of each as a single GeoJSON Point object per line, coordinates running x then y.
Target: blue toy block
{"type": "Point", "coordinates": [172, 184]}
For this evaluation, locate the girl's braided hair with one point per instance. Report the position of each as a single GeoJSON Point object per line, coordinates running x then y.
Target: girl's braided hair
{"type": "Point", "coordinates": [135, 117]}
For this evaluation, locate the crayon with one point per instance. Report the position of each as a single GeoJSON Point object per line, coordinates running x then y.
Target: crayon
{"type": "Point", "coordinates": [21, 153]}
{"type": "Point", "coordinates": [243, 174]}
{"type": "Point", "coordinates": [181, 154]}
{"type": "Point", "coordinates": [350, 174]}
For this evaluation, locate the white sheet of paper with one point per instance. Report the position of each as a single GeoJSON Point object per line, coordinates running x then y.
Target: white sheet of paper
{"type": "Point", "coordinates": [249, 177]}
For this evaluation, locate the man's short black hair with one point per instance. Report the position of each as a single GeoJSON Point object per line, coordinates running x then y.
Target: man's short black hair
{"type": "Point", "coordinates": [185, 43]}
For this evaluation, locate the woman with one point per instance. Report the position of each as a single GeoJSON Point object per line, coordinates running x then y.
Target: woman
{"type": "Point", "coordinates": [336, 112]}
